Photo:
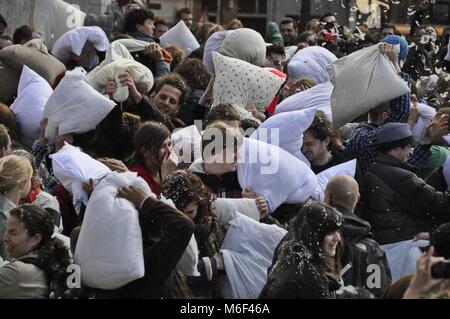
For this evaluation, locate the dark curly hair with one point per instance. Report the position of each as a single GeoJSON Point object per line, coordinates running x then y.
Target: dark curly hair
{"type": "Point", "coordinates": [322, 128]}
{"type": "Point", "coordinates": [53, 256]}
{"type": "Point", "coordinates": [184, 187]}
{"type": "Point", "coordinates": [195, 73]}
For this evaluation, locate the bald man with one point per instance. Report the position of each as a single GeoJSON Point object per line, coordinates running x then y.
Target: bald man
{"type": "Point", "coordinates": [364, 264]}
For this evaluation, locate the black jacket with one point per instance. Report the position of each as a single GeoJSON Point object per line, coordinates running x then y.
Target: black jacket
{"type": "Point", "coordinates": [361, 251]}
{"type": "Point", "coordinates": [398, 204]}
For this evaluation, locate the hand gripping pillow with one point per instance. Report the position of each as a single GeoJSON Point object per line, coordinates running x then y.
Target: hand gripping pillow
{"type": "Point", "coordinates": [274, 173]}
{"type": "Point", "coordinates": [73, 41]}
{"type": "Point", "coordinates": [362, 81]}
{"type": "Point", "coordinates": [426, 115]}
{"type": "Point", "coordinates": [286, 131]}
{"type": "Point", "coordinates": [75, 107]}
{"type": "Point", "coordinates": [33, 93]}
{"type": "Point", "coordinates": [311, 63]}
{"type": "Point", "coordinates": [72, 168]}
{"type": "Point", "coordinates": [142, 77]}
{"type": "Point", "coordinates": [182, 37]}
{"type": "Point", "coordinates": [213, 44]}
{"type": "Point", "coordinates": [246, 45]}
{"type": "Point", "coordinates": [318, 96]}
{"type": "Point", "coordinates": [347, 168]}
{"type": "Point", "coordinates": [109, 249]}
{"type": "Point", "coordinates": [52, 18]}
{"type": "Point", "coordinates": [36, 57]}
{"type": "Point", "coordinates": [241, 84]}
{"type": "Point", "coordinates": [248, 250]}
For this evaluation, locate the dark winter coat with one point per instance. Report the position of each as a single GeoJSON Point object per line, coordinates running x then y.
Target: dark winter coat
{"type": "Point", "coordinates": [398, 204]}
{"type": "Point", "coordinates": [298, 270]}
{"type": "Point", "coordinates": [360, 252]}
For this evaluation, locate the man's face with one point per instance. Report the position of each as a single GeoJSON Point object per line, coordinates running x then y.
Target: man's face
{"type": "Point", "coordinates": [187, 18]}
{"type": "Point", "coordinates": [405, 152]}
{"type": "Point", "coordinates": [289, 33]}
{"type": "Point", "coordinates": [313, 148]}
{"type": "Point", "coordinates": [160, 29]}
{"type": "Point", "coordinates": [276, 60]}
{"type": "Point", "coordinates": [167, 99]}
{"type": "Point", "coordinates": [147, 27]}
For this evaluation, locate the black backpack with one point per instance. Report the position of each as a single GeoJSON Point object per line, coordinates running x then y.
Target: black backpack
{"type": "Point", "coordinates": [364, 264]}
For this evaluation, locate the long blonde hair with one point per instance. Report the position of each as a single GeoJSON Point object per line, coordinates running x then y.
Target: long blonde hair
{"type": "Point", "coordinates": [14, 170]}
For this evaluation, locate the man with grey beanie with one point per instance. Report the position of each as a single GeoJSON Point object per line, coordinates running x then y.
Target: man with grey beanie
{"type": "Point", "coordinates": [398, 204]}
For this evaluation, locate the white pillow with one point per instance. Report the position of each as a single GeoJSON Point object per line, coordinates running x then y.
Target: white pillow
{"type": "Point", "coordinates": [248, 250]}
{"type": "Point", "coordinates": [286, 131]}
{"type": "Point", "coordinates": [274, 173]}
{"type": "Point", "coordinates": [72, 168]}
{"type": "Point", "coordinates": [74, 106]}
{"type": "Point", "coordinates": [180, 36]}
{"type": "Point", "coordinates": [73, 41]}
{"type": "Point", "coordinates": [33, 93]}
{"type": "Point", "coordinates": [52, 18]}
{"type": "Point", "coordinates": [226, 209]}
{"type": "Point", "coordinates": [213, 44]}
{"type": "Point", "coordinates": [426, 115]}
{"type": "Point", "coordinates": [241, 84]}
{"type": "Point", "coordinates": [311, 63]}
{"type": "Point", "coordinates": [188, 262]}
{"type": "Point", "coordinates": [109, 250]}
{"type": "Point", "coordinates": [186, 143]}
{"type": "Point", "coordinates": [142, 76]}
{"type": "Point", "coordinates": [347, 168]}
{"type": "Point", "coordinates": [319, 96]}
{"type": "Point", "coordinates": [362, 81]}
{"type": "Point", "coordinates": [246, 45]}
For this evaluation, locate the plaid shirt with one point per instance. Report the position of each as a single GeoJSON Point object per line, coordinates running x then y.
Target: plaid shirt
{"type": "Point", "coordinates": [362, 142]}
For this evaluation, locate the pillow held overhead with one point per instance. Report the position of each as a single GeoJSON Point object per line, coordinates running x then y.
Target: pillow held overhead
{"type": "Point", "coordinates": [182, 37]}
{"type": "Point", "coordinates": [241, 84]}
{"type": "Point", "coordinates": [33, 94]}
{"type": "Point", "coordinates": [75, 107]}
{"type": "Point", "coordinates": [362, 81]}
{"type": "Point", "coordinates": [246, 45]}
{"type": "Point", "coordinates": [213, 44]}
{"type": "Point", "coordinates": [311, 63]}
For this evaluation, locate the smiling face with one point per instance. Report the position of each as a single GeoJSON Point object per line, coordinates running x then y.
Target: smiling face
{"type": "Point", "coordinates": [16, 239]}
{"type": "Point", "coordinates": [167, 99]}
{"type": "Point", "coordinates": [314, 149]}
{"type": "Point", "coordinates": [330, 243]}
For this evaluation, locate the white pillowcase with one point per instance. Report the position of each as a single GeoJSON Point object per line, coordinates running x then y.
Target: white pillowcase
{"type": "Point", "coordinates": [74, 106]}
{"type": "Point", "coordinates": [319, 96]}
{"type": "Point", "coordinates": [213, 44]}
{"type": "Point", "coordinates": [248, 250]}
{"type": "Point", "coordinates": [286, 131]}
{"type": "Point", "coordinates": [242, 84]}
{"type": "Point", "coordinates": [426, 115]}
{"type": "Point", "coordinates": [274, 173]}
{"type": "Point", "coordinates": [362, 81]}
{"type": "Point", "coordinates": [73, 41]}
{"type": "Point", "coordinates": [33, 93]}
{"type": "Point", "coordinates": [186, 143]}
{"type": "Point", "coordinates": [109, 250]}
{"type": "Point", "coordinates": [72, 168]}
{"type": "Point", "coordinates": [142, 76]}
{"type": "Point", "coordinates": [180, 36]}
{"type": "Point", "coordinates": [347, 168]}
{"type": "Point", "coordinates": [311, 63]}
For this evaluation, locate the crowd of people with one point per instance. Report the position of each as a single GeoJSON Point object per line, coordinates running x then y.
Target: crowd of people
{"type": "Point", "coordinates": [211, 224]}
